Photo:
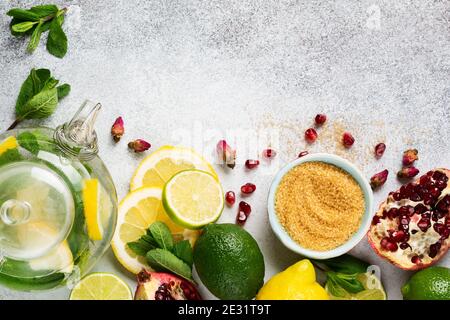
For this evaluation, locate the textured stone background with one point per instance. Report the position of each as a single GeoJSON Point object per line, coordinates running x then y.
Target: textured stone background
{"type": "Point", "coordinates": [190, 72]}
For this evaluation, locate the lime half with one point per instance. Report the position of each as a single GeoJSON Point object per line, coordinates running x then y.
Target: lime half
{"type": "Point", "coordinates": [101, 286]}
{"type": "Point", "coordinates": [193, 198]}
{"type": "Point", "coordinates": [374, 289]}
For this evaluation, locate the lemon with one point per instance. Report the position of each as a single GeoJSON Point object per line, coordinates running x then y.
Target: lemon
{"type": "Point", "coordinates": [374, 289]}
{"type": "Point", "coordinates": [97, 207]}
{"type": "Point", "coordinates": [156, 169]}
{"type": "Point", "coordinates": [137, 211]}
{"type": "Point", "coordinates": [101, 286]}
{"type": "Point", "coordinates": [8, 144]}
{"type": "Point", "coordinates": [59, 259]}
{"type": "Point", "coordinates": [193, 198]}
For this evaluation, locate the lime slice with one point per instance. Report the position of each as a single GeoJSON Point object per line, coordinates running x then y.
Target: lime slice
{"type": "Point", "coordinates": [193, 198]}
{"type": "Point", "coordinates": [374, 289]}
{"type": "Point", "coordinates": [101, 286]}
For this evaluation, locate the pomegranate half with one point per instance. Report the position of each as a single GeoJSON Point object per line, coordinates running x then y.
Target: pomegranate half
{"type": "Point", "coordinates": [164, 286]}
{"type": "Point", "coordinates": [412, 227]}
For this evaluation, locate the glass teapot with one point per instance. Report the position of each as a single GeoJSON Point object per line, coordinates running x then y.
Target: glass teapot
{"type": "Point", "coordinates": [58, 203]}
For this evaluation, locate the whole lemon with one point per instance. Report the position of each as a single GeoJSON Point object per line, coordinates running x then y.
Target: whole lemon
{"type": "Point", "coordinates": [298, 282]}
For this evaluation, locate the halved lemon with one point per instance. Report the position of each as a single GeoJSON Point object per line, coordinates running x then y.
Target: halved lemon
{"type": "Point", "coordinates": [101, 286]}
{"type": "Point", "coordinates": [163, 164]}
{"type": "Point", "coordinates": [374, 289]}
{"type": "Point", "coordinates": [193, 198]}
{"type": "Point", "coordinates": [137, 211]}
{"type": "Point", "coordinates": [8, 144]}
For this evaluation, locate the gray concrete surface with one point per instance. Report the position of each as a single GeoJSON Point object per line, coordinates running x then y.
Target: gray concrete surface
{"type": "Point", "coordinates": [190, 72]}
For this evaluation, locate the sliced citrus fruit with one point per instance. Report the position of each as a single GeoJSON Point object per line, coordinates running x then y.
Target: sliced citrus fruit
{"type": "Point", "coordinates": [163, 164]}
{"type": "Point", "coordinates": [8, 144]}
{"type": "Point", "coordinates": [101, 286]}
{"type": "Point", "coordinates": [137, 211]}
{"type": "Point", "coordinates": [373, 289]}
{"type": "Point", "coordinates": [59, 259]}
{"type": "Point", "coordinates": [91, 201]}
{"type": "Point", "coordinates": [193, 198]}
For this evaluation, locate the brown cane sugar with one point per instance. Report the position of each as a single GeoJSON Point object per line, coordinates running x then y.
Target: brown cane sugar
{"type": "Point", "coordinates": [319, 205]}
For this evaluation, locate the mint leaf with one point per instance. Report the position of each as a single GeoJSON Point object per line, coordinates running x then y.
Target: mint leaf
{"type": "Point", "coordinates": [346, 264]}
{"type": "Point", "coordinates": [163, 260]}
{"type": "Point", "coordinates": [162, 235]}
{"type": "Point", "coordinates": [11, 155]}
{"type": "Point", "coordinates": [35, 38]}
{"type": "Point", "coordinates": [335, 289]}
{"type": "Point", "coordinates": [45, 10]}
{"type": "Point", "coordinates": [63, 90]}
{"type": "Point", "coordinates": [40, 106]}
{"type": "Point", "coordinates": [348, 282]}
{"type": "Point", "coordinates": [57, 40]}
{"type": "Point", "coordinates": [139, 247]}
{"type": "Point", "coordinates": [22, 14]}
{"type": "Point", "coordinates": [183, 250]}
{"type": "Point", "coordinates": [28, 141]}
{"type": "Point", "coordinates": [23, 26]}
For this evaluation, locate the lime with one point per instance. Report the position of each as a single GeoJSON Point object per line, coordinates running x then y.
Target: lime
{"type": "Point", "coordinates": [193, 198]}
{"type": "Point", "coordinates": [429, 284]}
{"type": "Point", "coordinates": [101, 286]}
{"type": "Point", "coordinates": [229, 262]}
{"type": "Point", "coordinates": [373, 289]}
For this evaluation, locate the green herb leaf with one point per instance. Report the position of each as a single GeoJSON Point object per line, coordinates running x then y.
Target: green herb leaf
{"type": "Point", "coordinates": [348, 282]}
{"type": "Point", "coordinates": [11, 155]}
{"type": "Point", "coordinates": [183, 250]}
{"type": "Point", "coordinates": [163, 260]}
{"type": "Point", "coordinates": [23, 26]}
{"type": "Point", "coordinates": [35, 38]}
{"type": "Point", "coordinates": [45, 10]}
{"type": "Point", "coordinates": [63, 90]}
{"type": "Point", "coordinates": [335, 289]}
{"type": "Point", "coordinates": [162, 235]}
{"type": "Point", "coordinates": [57, 40]}
{"type": "Point", "coordinates": [50, 83]}
{"type": "Point", "coordinates": [42, 105]}
{"type": "Point", "coordinates": [345, 264]}
{"type": "Point", "coordinates": [28, 141]}
{"type": "Point", "coordinates": [139, 248]}
{"type": "Point", "coordinates": [22, 14]}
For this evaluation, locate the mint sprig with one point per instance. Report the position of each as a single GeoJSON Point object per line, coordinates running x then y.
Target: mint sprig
{"type": "Point", "coordinates": [37, 20]}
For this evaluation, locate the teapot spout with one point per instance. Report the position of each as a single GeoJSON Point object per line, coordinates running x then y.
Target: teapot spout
{"type": "Point", "coordinates": [78, 137]}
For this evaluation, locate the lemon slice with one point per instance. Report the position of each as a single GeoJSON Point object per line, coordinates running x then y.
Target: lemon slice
{"type": "Point", "coordinates": [193, 198]}
{"type": "Point", "coordinates": [101, 286]}
{"type": "Point", "coordinates": [59, 259]}
{"type": "Point", "coordinates": [137, 211]}
{"type": "Point", "coordinates": [97, 208]}
{"type": "Point", "coordinates": [8, 144]}
{"type": "Point", "coordinates": [163, 164]}
{"type": "Point", "coordinates": [374, 289]}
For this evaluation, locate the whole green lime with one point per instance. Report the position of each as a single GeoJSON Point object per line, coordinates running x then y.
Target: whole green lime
{"type": "Point", "coordinates": [229, 262]}
{"type": "Point", "coordinates": [430, 284]}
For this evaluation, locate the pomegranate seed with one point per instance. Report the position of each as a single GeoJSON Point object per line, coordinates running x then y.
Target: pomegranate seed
{"type": "Point", "coordinates": [406, 211]}
{"type": "Point", "coordinates": [397, 196]}
{"type": "Point", "coordinates": [415, 260]}
{"type": "Point", "coordinates": [392, 246]}
{"type": "Point", "coordinates": [393, 213]}
{"type": "Point", "coordinates": [230, 198]}
{"type": "Point", "coordinates": [248, 188]}
{"type": "Point", "coordinates": [320, 119]}
{"type": "Point", "coordinates": [269, 153]}
{"type": "Point", "coordinates": [441, 185]}
{"type": "Point", "coordinates": [437, 175]}
{"type": "Point", "coordinates": [384, 242]}
{"type": "Point", "coordinates": [399, 235]}
{"type": "Point", "coordinates": [303, 153]}
{"type": "Point", "coordinates": [424, 224]}
{"type": "Point", "coordinates": [375, 220]}
{"type": "Point", "coordinates": [434, 249]}
{"type": "Point", "coordinates": [420, 208]}
{"type": "Point", "coordinates": [251, 164]}
{"type": "Point", "coordinates": [311, 135]}
{"type": "Point", "coordinates": [244, 211]}
{"type": "Point", "coordinates": [379, 150]}
{"type": "Point", "coordinates": [439, 228]}
{"type": "Point", "coordinates": [404, 246]}
{"type": "Point", "coordinates": [425, 179]}
{"type": "Point", "coordinates": [415, 197]}
{"type": "Point", "coordinates": [347, 139]}
{"type": "Point", "coordinates": [379, 179]}
{"type": "Point", "coordinates": [409, 156]}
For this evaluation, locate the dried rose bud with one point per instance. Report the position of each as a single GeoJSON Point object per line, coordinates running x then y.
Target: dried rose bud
{"type": "Point", "coordinates": [379, 179]}
{"type": "Point", "coordinates": [409, 156]}
{"type": "Point", "coordinates": [408, 172]}
{"type": "Point", "coordinates": [379, 150]}
{"type": "Point", "coordinates": [117, 130]}
{"type": "Point", "coordinates": [303, 153]}
{"type": "Point", "coordinates": [244, 211]}
{"type": "Point", "coordinates": [226, 154]}
{"type": "Point", "coordinates": [139, 145]}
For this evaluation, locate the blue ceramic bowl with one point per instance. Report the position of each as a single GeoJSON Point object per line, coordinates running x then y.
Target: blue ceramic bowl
{"type": "Point", "coordinates": [348, 167]}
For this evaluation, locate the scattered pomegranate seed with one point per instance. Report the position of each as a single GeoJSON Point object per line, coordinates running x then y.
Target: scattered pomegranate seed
{"type": "Point", "coordinates": [248, 188]}
{"type": "Point", "coordinates": [230, 198]}
{"type": "Point", "coordinates": [408, 172]}
{"type": "Point", "coordinates": [311, 135]}
{"type": "Point", "coordinates": [347, 139]}
{"type": "Point", "coordinates": [118, 129]}
{"type": "Point", "coordinates": [251, 164]}
{"type": "Point", "coordinates": [303, 153]}
{"type": "Point", "coordinates": [139, 145]}
{"type": "Point", "coordinates": [244, 211]}
{"type": "Point", "coordinates": [269, 153]}
{"type": "Point", "coordinates": [379, 179]}
{"type": "Point", "coordinates": [379, 150]}
{"type": "Point", "coordinates": [226, 154]}
{"type": "Point", "coordinates": [409, 156]}
{"type": "Point", "coordinates": [320, 119]}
